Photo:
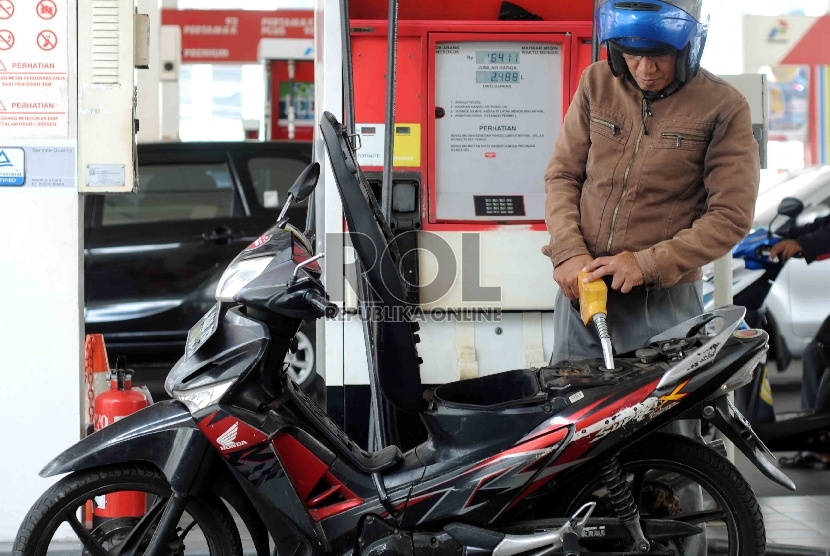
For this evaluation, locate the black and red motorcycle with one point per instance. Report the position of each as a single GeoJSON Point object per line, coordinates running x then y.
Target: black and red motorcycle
{"type": "Point", "coordinates": [566, 459]}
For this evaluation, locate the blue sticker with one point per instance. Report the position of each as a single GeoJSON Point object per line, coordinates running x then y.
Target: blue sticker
{"type": "Point", "coordinates": [12, 167]}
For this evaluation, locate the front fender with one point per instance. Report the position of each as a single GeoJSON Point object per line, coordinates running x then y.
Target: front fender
{"type": "Point", "coordinates": [163, 434]}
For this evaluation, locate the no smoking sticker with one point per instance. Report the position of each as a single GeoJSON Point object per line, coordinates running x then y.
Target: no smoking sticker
{"type": "Point", "coordinates": [6, 9]}
{"type": "Point", "coordinates": [47, 40]}
{"type": "Point", "coordinates": [6, 39]}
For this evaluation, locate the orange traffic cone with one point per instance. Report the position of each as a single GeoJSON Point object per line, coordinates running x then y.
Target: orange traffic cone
{"type": "Point", "coordinates": [96, 369]}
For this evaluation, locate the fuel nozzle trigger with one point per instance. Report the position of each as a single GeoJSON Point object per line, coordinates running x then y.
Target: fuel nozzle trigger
{"type": "Point", "coordinates": [593, 306]}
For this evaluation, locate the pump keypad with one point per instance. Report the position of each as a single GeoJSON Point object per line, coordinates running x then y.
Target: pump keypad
{"type": "Point", "coordinates": [503, 205]}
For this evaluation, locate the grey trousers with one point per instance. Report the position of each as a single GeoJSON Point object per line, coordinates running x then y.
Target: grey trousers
{"type": "Point", "coordinates": [633, 319]}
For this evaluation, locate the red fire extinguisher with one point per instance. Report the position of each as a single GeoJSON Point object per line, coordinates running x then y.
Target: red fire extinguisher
{"type": "Point", "coordinates": [110, 406]}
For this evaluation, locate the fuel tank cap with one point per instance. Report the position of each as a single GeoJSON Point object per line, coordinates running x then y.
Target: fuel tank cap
{"type": "Point", "coordinates": [647, 355]}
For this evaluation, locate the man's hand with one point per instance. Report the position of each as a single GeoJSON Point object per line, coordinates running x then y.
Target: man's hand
{"type": "Point", "coordinates": [784, 250]}
{"type": "Point", "coordinates": [566, 274]}
{"type": "Point", "coordinates": [623, 267]}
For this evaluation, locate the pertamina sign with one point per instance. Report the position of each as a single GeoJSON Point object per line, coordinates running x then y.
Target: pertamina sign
{"type": "Point", "coordinates": [34, 97]}
{"type": "Point", "coordinates": [211, 36]}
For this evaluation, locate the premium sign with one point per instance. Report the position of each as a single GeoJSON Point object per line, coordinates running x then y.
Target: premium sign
{"type": "Point", "coordinates": [210, 36]}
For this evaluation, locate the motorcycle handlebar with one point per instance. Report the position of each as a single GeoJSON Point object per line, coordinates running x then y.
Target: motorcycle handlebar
{"type": "Point", "coordinates": [323, 305]}
{"type": "Point", "coordinates": [763, 253]}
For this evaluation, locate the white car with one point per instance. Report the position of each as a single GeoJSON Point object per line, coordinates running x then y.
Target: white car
{"type": "Point", "coordinates": [800, 299]}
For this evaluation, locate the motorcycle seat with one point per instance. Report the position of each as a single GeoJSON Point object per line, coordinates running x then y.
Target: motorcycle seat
{"type": "Point", "coordinates": [499, 391]}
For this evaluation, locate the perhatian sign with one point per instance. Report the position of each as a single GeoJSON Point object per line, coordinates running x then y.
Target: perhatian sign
{"type": "Point", "coordinates": [34, 95]}
{"type": "Point", "coordinates": [500, 107]}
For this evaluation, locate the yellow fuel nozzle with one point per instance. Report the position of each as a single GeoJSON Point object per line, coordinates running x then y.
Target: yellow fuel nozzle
{"type": "Point", "coordinates": [593, 306]}
{"type": "Point", "coordinates": [593, 298]}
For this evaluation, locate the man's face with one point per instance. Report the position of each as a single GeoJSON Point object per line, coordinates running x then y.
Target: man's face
{"type": "Point", "coordinates": [652, 73]}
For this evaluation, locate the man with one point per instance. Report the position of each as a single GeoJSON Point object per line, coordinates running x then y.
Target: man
{"type": "Point", "coordinates": [812, 241]}
{"type": "Point", "coordinates": [657, 165]}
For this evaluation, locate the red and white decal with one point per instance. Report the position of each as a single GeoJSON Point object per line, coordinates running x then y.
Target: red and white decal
{"type": "Point", "coordinates": [260, 241]}
{"type": "Point", "coordinates": [229, 434]}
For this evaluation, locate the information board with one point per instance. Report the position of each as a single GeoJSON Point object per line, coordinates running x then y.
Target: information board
{"type": "Point", "coordinates": [498, 113]}
{"type": "Point", "coordinates": [34, 95]}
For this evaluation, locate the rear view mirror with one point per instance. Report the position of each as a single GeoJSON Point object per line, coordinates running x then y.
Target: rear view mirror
{"type": "Point", "coordinates": [305, 183]}
{"type": "Point", "coordinates": [790, 207]}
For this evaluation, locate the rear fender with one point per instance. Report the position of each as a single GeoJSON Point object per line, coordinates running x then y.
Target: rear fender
{"type": "Point", "coordinates": [164, 435]}
{"type": "Point", "coordinates": [727, 419]}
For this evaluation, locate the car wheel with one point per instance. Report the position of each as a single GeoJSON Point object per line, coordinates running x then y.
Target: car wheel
{"type": "Point", "coordinates": [301, 363]}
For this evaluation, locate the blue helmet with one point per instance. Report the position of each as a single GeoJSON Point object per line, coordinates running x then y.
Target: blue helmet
{"type": "Point", "coordinates": [653, 27]}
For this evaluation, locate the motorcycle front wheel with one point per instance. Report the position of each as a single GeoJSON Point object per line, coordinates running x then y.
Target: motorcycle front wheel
{"type": "Point", "coordinates": [60, 520]}
{"type": "Point", "coordinates": [671, 477]}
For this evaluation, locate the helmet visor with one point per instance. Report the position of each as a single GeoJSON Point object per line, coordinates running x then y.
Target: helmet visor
{"type": "Point", "coordinates": [692, 7]}
{"type": "Point", "coordinates": [648, 24]}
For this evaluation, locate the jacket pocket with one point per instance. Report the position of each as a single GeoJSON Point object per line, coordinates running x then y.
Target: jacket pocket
{"type": "Point", "coordinates": [683, 140]}
{"type": "Point", "coordinates": [607, 127]}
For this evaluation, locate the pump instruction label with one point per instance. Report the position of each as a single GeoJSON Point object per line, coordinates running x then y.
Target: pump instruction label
{"type": "Point", "coordinates": [498, 113]}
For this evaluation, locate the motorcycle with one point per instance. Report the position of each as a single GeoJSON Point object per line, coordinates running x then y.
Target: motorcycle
{"type": "Point", "coordinates": [564, 460]}
{"type": "Point", "coordinates": [793, 431]}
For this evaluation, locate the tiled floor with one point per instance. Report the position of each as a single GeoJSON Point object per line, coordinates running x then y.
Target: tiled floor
{"type": "Point", "coordinates": [797, 520]}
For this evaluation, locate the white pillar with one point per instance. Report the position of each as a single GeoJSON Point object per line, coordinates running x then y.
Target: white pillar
{"type": "Point", "coordinates": [41, 271]}
{"type": "Point", "coordinates": [723, 296]}
{"type": "Point", "coordinates": [328, 87]}
{"type": "Point", "coordinates": [170, 44]}
{"type": "Point", "coordinates": [149, 99]}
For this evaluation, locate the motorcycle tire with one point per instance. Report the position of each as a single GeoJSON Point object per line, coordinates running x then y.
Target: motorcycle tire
{"type": "Point", "coordinates": [694, 461]}
{"type": "Point", "coordinates": [50, 511]}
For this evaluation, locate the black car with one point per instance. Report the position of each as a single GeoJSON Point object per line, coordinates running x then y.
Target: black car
{"type": "Point", "coordinates": [152, 259]}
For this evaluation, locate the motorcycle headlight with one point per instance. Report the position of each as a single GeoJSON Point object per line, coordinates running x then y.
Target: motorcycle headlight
{"type": "Point", "coordinates": [200, 398]}
{"type": "Point", "coordinates": [238, 275]}
{"type": "Point", "coordinates": [744, 374]}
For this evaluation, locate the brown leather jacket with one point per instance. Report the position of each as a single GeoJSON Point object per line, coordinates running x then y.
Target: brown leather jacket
{"type": "Point", "coordinates": [673, 180]}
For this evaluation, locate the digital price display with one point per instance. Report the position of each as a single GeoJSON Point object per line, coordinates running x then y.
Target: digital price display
{"type": "Point", "coordinates": [497, 77]}
{"type": "Point", "coordinates": [497, 57]}
{"type": "Point", "coordinates": [501, 120]}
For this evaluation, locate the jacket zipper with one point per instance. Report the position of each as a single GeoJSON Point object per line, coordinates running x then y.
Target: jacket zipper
{"type": "Point", "coordinates": [615, 129]}
{"type": "Point", "coordinates": [680, 137]}
{"type": "Point", "coordinates": [646, 114]}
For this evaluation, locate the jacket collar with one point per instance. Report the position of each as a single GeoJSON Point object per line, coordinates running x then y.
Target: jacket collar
{"type": "Point", "coordinates": [672, 88]}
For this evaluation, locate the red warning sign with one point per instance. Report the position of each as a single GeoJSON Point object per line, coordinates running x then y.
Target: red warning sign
{"type": "Point", "coordinates": [34, 81]}
{"type": "Point", "coordinates": [47, 40]}
{"type": "Point", "coordinates": [46, 9]}
{"type": "Point", "coordinates": [6, 9]}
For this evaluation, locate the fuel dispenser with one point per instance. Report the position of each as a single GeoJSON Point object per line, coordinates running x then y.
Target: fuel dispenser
{"type": "Point", "coordinates": [478, 107]}
{"type": "Point", "coordinates": [288, 65]}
